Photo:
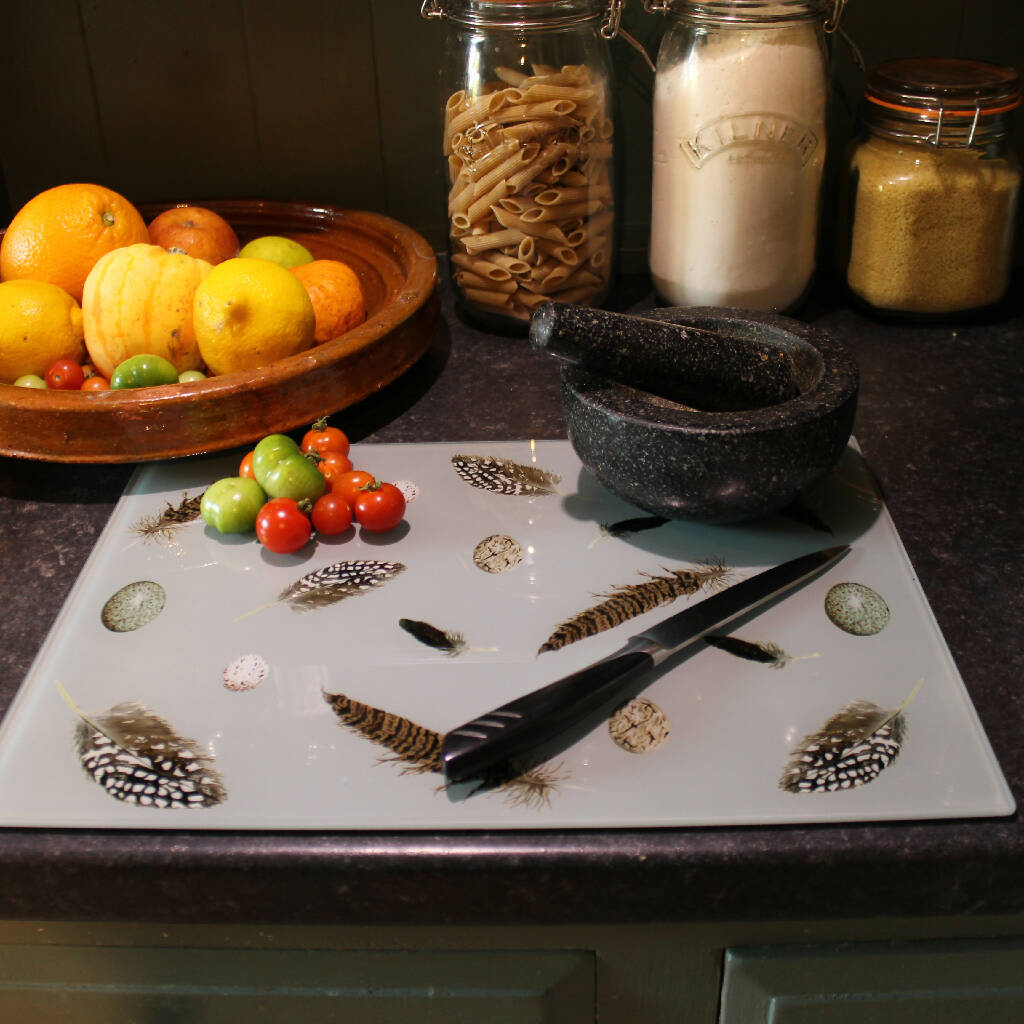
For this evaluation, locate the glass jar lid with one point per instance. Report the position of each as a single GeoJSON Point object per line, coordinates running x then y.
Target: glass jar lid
{"type": "Point", "coordinates": [764, 12]}
{"type": "Point", "coordinates": [947, 99]}
{"type": "Point", "coordinates": [925, 86]}
{"type": "Point", "coordinates": [520, 14]}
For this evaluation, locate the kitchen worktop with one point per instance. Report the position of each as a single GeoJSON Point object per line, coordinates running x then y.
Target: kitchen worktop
{"type": "Point", "coordinates": [940, 423]}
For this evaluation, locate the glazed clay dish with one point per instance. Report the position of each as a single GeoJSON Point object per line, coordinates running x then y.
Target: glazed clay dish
{"type": "Point", "coordinates": [398, 273]}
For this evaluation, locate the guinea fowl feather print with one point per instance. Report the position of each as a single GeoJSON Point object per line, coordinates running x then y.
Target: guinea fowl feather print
{"type": "Point", "coordinates": [138, 758]}
{"type": "Point", "coordinates": [851, 749]}
{"type": "Point", "coordinates": [333, 583]}
{"type": "Point", "coordinates": [504, 476]}
{"type": "Point", "coordinates": [626, 602]}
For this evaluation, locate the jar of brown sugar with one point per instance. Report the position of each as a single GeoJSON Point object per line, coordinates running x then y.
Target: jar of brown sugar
{"type": "Point", "coordinates": [931, 188]}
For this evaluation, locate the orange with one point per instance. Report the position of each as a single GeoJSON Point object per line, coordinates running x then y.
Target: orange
{"type": "Point", "coordinates": [58, 235]}
{"type": "Point", "coordinates": [195, 231]}
{"type": "Point", "coordinates": [336, 294]}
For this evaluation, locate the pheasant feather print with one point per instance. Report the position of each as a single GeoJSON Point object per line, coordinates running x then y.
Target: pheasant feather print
{"type": "Point", "coordinates": [626, 602]}
{"type": "Point", "coordinates": [419, 748]}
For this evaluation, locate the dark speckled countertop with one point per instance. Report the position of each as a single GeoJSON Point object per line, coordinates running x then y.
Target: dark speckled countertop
{"type": "Point", "coordinates": [939, 420]}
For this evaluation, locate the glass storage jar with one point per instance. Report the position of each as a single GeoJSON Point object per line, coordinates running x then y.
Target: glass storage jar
{"type": "Point", "coordinates": [739, 150]}
{"type": "Point", "coordinates": [931, 188]}
{"type": "Point", "coordinates": [528, 145]}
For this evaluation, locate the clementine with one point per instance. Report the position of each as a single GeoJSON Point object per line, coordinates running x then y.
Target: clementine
{"type": "Point", "coordinates": [336, 294]}
{"type": "Point", "coordinates": [58, 235]}
{"type": "Point", "coordinates": [195, 231]}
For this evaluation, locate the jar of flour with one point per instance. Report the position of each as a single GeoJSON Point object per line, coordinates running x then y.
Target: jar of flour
{"type": "Point", "coordinates": [739, 149]}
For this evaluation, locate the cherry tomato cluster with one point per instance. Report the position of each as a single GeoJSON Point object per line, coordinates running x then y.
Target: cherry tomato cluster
{"type": "Point", "coordinates": [139, 371]}
{"type": "Point", "coordinates": [286, 491]}
{"type": "Point", "coordinates": [70, 375]}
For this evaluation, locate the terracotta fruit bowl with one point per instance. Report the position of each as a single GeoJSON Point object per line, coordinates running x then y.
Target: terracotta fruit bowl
{"type": "Point", "coordinates": [717, 466]}
{"type": "Point", "coordinates": [398, 272]}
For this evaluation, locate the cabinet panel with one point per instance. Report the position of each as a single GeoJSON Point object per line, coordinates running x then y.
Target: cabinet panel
{"type": "Point", "coordinates": [115, 985]}
{"type": "Point", "coordinates": [914, 983]}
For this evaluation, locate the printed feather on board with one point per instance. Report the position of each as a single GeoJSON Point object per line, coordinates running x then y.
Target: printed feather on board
{"type": "Point", "coordinates": [448, 641]}
{"type": "Point", "coordinates": [626, 602]}
{"type": "Point", "coordinates": [163, 525]}
{"type": "Point", "coordinates": [762, 651]}
{"type": "Point", "coordinates": [503, 476]}
{"type": "Point", "coordinates": [851, 749]}
{"type": "Point", "coordinates": [138, 758]}
{"type": "Point", "coordinates": [419, 749]}
{"type": "Point", "coordinates": [333, 583]}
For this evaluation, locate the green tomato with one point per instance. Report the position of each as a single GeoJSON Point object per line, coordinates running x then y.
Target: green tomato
{"type": "Point", "coordinates": [187, 376]}
{"type": "Point", "coordinates": [143, 371]}
{"type": "Point", "coordinates": [30, 380]}
{"type": "Point", "coordinates": [269, 452]}
{"type": "Point", "coordinates": [231, 505]}
{"type": "Point", "coordinates": [294, 476]}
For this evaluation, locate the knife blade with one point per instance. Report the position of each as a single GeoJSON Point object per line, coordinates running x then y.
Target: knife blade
{"type": "Point", "coordinates": [482, 745]}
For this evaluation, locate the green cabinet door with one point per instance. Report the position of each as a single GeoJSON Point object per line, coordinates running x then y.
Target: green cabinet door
{"type": "Point", "coordinates": [120, 985]}
{"type": "Point", "coordinates": [955, 982]}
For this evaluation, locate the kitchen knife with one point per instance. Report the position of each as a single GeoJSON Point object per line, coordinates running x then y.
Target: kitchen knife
{"type": "Point", "coordinates": [484, 744]}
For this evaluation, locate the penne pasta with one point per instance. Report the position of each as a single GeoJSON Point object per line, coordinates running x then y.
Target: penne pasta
{"type": "Point", "coordinates": [491, 240]}
{"type": "Point", "coordinates": [486, 298]}
{"type": "Point", "coordinates": [513, 264]}
{"type": "Point", "coordinates": [481, 109]}
{"type": "Point", "coordinates": [467, 279]}
{"type": "Point", "coordinates": [481, 267]}
{"type": "Point", "coordinates": [530, 203]}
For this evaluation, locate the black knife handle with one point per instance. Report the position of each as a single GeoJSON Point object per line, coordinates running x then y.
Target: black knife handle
{"type": "Point", "coordinates": [528, 722]}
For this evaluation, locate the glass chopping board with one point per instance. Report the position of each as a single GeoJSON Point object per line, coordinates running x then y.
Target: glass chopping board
{"type": "Point", "coordinates": [196, 681]}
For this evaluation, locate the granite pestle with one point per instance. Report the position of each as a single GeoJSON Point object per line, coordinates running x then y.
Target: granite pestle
{"type": "Point", "coordinates": [691, 366]}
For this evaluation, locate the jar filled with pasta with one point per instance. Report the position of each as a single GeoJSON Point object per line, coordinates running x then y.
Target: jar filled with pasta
{"type": "Point", "coordinates": [528, 145]}
{"type": "Point", "coordinates": [931, 188]}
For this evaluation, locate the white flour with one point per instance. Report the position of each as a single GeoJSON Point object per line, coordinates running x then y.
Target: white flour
{"type": "Point", "coordinates": [739, 147]}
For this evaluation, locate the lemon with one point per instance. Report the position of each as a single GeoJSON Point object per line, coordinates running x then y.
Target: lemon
{"type": "Point", "coordinates": [40, 323]}
{"type": "Point", "coordinates": [250, 312]}
{"type": "Point", "coordinates": [278, 249]}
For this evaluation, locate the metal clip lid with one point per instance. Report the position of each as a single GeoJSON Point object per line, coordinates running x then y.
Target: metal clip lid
{"type": "Point", "coordinates": [508, 8]}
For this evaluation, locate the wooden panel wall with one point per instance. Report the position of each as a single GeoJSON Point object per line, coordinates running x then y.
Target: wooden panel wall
{"type": "Point", "coordinates": [336, 101]}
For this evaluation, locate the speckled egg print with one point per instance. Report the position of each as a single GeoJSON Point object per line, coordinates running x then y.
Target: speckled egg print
{"type": "Point", "coordinates": [133, 606]}
{"type": "Point", "coordinates": [857, 609]}
{"type": "Point", "coordinates": [245, 673]}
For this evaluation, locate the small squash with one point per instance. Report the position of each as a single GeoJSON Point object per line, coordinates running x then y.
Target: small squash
{"type": "Point", "coordinates": [138, 299]}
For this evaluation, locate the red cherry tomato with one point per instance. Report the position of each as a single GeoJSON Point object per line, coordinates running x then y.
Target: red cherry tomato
{"type": "Point", "coordinates": [245, 467]}
{"type": "Point", "coordinates": [348, 485]}
{"type": "Point", "coordinates": [96, 383]}
{"type": "Point", "coordinates": [379, 507]}
{"type": "Point", "coordinates": [282, 527]}
{"type": "Point", "coordinates": [333, 464]}
{"type": "Point", "coordinates": [322, 438]}
{"type": "Point", "coordinates": [65, 375]}
{"type": "Point", "coordinates": [331, 514]}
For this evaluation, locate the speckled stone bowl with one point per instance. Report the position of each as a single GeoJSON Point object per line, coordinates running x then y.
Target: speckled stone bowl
{"type": "Point", "coordinates": [717, 467]}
